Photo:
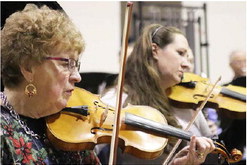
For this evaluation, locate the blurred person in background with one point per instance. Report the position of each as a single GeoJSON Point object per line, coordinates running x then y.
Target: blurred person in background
{"type": "Point", "coordinates": [234, 130]}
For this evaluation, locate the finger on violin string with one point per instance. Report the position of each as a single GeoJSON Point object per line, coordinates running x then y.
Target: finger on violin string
{"type": "Point", "coordinates": [203, 144]}
{"type": "Point", "coordinates": [192, 146]}
{"type": "Point", "coordinates": [211, 144]}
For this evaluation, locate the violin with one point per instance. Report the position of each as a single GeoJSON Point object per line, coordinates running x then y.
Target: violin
{"type": "Point", "coordinates": [229, 100]}
{"type": "Point", "coordinates": [143, 130]}
{"type": "Point", "coordinates": [81, 128]}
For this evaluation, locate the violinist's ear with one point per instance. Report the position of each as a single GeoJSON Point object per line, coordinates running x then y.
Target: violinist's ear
{"type": "Point", "coordinates": [155, 50]}
{"type": "Point", "coordinates": [27, 72]}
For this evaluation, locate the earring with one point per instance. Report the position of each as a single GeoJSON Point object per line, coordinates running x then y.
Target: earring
{"type": "Point", "coordinates": [30, 90]}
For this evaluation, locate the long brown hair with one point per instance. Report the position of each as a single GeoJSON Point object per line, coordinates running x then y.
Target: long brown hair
{"type": "Point", "coordinates": [142, 79]}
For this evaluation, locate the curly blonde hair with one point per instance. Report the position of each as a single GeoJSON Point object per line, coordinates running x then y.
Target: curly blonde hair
{"type": "Point", "coordinates": [30, 35]}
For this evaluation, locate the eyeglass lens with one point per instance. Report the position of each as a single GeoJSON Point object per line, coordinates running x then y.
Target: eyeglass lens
{"type": "Point", "coordinates": [74, 64]}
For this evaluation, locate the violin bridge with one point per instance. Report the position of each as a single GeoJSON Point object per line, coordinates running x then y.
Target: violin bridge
{"type": "Point", "coordinates": [103, 116]}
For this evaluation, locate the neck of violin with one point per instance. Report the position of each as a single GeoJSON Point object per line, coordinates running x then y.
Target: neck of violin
{"type": "Point", "coordinates": [155, 127]}
{"type": "Point", "coordinates": [233, 94]}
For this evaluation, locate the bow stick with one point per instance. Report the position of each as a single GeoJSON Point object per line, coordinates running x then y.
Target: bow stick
{"type": "Point", "coordinates": [191, 122]}
{"type": "Point", "coordinates": [114, 139]}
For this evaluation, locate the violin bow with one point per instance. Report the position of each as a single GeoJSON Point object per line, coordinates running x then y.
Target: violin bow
{"type": "Point", "coordinates": [114, 139]}
{"type": "Point", "coordinates": [191, 122]}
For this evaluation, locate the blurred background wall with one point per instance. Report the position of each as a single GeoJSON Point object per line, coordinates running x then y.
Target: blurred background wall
{"type": "Point", "coordinates": [223, 31]}
{"type": "Point", "coordinates": [99, 23]}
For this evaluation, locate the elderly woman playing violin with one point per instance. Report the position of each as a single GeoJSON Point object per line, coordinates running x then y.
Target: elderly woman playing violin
{"type": "Point", "coordinates": [157, 62]}
{"type": "Point", "coordinates": [40, 49]}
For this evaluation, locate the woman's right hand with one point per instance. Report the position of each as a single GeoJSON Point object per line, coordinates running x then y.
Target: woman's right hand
{"type": "Point", "coordinates": [195, 153]}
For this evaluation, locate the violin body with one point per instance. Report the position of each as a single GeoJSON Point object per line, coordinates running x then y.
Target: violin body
{"type": "Point", "coordinates": [143, 134]}
{"type": "Point", "coordinates": [229, 100]}
{"type": "Point", "coordinates": [73, 132]}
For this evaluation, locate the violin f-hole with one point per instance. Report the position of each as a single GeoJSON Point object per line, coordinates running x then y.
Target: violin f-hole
{"type": "Point", "coordinates": [93, 130]}
{"type": "Point", "coordinates": [199, 95]}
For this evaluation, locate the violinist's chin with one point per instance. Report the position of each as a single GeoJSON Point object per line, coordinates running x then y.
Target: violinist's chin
{"type": "Point", "coordinates": [181, 75]}
{"type": "Point", "coordinates": [182, 78]}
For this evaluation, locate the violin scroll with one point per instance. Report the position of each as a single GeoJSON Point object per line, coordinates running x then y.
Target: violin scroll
{"type": "Point", "coordinates": [236, 156]}
{"type": "Point", "coordinates": [231, 157]}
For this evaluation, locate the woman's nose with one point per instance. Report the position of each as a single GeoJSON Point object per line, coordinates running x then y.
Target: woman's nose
{"type": "Point", "coordinates": [75, 76]}
{"type": "Point", "coordinates": [186, 64]}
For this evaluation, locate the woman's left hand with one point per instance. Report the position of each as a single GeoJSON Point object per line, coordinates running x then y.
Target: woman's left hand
{"type": "Point", "coordinates": [195, 153]}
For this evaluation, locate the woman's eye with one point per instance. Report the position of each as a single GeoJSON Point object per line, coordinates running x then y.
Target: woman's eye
{"type": "Point", "coordinates": [65, 64]}
{"type": "Point", "coordinates": [180, 52]}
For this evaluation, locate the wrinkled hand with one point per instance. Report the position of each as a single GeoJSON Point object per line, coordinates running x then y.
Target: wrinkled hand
{"type": "Point", "coordinates": [195, 153]}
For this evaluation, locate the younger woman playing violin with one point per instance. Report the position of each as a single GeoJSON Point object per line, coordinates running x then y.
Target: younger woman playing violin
{"type": "Point", "coordinates": [157, 62]}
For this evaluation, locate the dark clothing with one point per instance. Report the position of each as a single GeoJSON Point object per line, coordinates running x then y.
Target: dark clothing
{"type": "Point", "coordinates": [234, 130]}
{"type": "Point", "coordinates": [92, 81]}
{"type": "Point", "coordinates": [240, 81]}
{"type": "Point", "coordinates": [8, 8]}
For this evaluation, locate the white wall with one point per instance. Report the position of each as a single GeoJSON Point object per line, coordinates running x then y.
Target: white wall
{"type": "Point", "coordinates": [99, 23]}
{"type": "Point", "coordinates": [226, 32]}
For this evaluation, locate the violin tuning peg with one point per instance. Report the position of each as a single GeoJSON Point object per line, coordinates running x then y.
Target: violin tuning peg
{"type": "Point", "coordinates": [215, 137]}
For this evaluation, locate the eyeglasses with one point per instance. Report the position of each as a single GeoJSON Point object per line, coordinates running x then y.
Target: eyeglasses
{"type": "Point", "coordinates": [72, 64]}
